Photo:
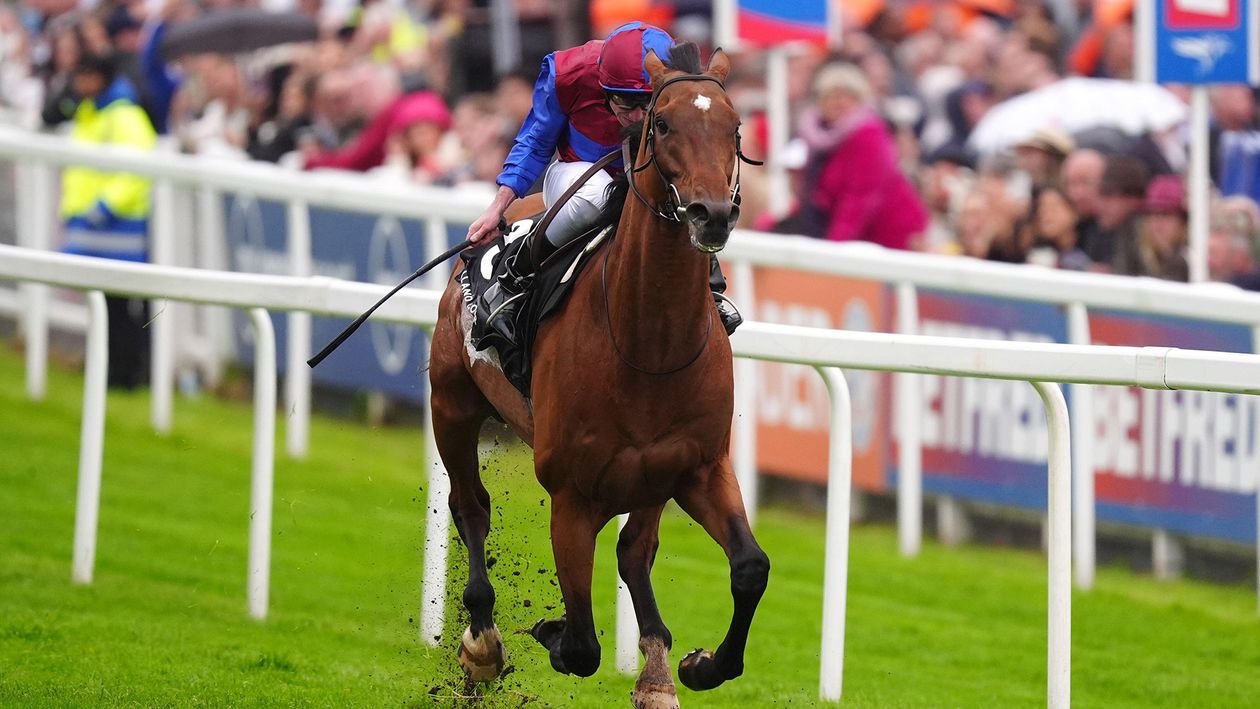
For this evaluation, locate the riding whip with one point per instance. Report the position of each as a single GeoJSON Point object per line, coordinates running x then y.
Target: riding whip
{"type": "Point", "coordinates": [336, 342]}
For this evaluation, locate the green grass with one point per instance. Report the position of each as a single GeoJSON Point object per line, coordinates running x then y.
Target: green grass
{"type": "Point", "coordinates": [164, 623]}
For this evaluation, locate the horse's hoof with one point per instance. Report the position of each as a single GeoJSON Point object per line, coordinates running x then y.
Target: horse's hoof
{"type": "Point", "coordinates": [649, 695]}
{"type": "Point", "coordinates": [482, 657]}
{"type": "Point", "coordinates": [548, 632]}
{"type": "Point", "coordinates": [698, 671]}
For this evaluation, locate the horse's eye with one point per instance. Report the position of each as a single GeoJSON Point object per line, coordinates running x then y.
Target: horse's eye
{"type": "Point", "coordinates": [661, 126]}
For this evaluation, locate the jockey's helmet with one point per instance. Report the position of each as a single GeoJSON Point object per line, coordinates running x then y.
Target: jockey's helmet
{"type": "Point", "coordinates": [621, 58]}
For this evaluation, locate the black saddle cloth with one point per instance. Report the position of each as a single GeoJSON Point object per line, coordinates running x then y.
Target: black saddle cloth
{"type": "Point", "coordinates": [552, 282]}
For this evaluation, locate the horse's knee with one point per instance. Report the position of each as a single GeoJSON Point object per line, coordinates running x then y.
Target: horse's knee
{"type": "Point", "coordinates": [750, 573]}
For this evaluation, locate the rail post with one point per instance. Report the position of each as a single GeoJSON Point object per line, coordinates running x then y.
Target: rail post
{"type": "Point", "coordinates": [836, 564]}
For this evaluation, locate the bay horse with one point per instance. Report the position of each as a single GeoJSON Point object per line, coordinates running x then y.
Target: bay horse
{"type": "Point", "coordinates": [631, 400]}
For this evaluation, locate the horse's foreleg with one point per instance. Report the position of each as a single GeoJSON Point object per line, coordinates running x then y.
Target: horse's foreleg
{"type": "Point", "coordinates": [571, 640]}
{"type": "Point", "coordinates": [636, 550]}
{"type": "Point", "coordinates": [456, 425]}
{"type": "Point", "coordinates": [712, 498]}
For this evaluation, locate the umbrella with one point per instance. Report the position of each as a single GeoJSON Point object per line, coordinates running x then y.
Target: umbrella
{"type": "Point", "coordinates": [1075, 105]}
{"type": "Point", "coordinates": [236, 30]}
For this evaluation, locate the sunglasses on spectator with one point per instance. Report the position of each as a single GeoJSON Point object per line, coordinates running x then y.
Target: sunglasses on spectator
{"type": "Point", "coordinates": [628, 101]}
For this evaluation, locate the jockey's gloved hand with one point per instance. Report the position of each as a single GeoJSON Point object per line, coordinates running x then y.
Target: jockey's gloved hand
{"type": "Point", "coordinates": [488, 224]}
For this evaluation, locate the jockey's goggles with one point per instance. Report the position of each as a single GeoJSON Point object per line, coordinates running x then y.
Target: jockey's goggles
{"type": "Point", "coordinates": [629, 100]}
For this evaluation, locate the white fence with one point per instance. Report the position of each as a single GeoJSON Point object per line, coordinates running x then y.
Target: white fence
{"type": "Point", "coordinates": [1162, 368]}
{"type": "Point", "coordinates": [1077, 292]}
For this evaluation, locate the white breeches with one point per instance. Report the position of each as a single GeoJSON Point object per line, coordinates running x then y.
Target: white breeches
{"type": "Point", "coordinates": [580, 212]}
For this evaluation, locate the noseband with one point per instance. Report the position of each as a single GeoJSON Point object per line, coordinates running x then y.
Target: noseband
{"type": "Point", "coordinates": [673, 209]}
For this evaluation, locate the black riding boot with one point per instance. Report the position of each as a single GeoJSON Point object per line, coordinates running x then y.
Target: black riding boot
{"type": "Point", "coordinates": [731, 318]}
{"type": "Point", "coordinates": [502, 300]}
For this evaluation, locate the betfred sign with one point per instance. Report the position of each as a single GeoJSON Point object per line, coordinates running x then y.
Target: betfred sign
{"type": "Point", "coordinates": [793, 410]}
{"type": "Point", "coordinates": [1204, 41]}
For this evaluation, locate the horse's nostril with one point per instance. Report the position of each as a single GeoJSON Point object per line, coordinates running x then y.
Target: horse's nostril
{"type": "Point", "coordinates": [698, 213]}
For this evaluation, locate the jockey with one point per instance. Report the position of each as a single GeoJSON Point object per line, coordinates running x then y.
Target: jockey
{"type": "Point", "coordinates": [583, 98]}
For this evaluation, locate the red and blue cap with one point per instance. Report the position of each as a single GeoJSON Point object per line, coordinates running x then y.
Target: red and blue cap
{"type": "Point", "coordinates": [621, 58]}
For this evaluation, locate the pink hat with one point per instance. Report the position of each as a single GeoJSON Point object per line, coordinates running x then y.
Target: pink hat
{"type": "Point", "coordinates": [1165, 193]}
{"type": "Point", "coordinates": [420, 106]}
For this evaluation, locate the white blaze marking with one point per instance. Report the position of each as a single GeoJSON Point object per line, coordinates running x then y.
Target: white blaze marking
{"type": "Point", "coordinates": [703, 102]}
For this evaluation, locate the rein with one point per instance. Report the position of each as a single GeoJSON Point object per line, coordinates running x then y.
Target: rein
{"type": "Point", "coordinates": [674, 210]}
{"type": "Point", "coordinates": [612, 336]}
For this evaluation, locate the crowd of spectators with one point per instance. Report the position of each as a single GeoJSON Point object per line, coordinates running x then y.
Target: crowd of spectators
{"type": "Point", "coordinates": [881, 144]}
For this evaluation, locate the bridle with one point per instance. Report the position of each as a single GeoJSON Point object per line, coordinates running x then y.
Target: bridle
{"type": "Point", "coordinates": [674, 210]}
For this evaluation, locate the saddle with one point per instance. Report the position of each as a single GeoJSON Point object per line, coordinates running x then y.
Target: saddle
{"type": "Point", "coordinates": [552, 282]}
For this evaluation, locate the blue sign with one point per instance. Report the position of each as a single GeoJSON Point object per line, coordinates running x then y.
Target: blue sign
{"type": "Point", "coordinates": [1206, 41]}
{"type": "Point", "coordinates": [351, 246]}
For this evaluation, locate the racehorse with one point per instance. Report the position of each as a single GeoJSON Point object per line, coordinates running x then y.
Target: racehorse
{"type": "Point", "coordinates": [631, 399]}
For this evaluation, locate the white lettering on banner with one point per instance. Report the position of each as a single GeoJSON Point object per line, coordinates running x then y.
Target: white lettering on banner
{"type": "Point", "coordinates": [985, 417]}
{"type": "Point", "coordinates": [794, 396]}
{"type": "Point", "coordinates": [389, 262]}
{"type": "Point", "coordinates": [1195, 439]}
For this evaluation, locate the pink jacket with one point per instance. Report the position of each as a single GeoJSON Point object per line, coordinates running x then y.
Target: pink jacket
{"type": "Point", "coordinates": [861, 192]}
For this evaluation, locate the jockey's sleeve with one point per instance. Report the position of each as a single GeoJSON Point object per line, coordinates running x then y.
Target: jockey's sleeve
{"type": "Point", "coordinates": [536, 142]}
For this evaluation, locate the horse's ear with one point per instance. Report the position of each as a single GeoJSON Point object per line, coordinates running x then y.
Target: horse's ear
{"type": "Point", "coordinates": [719, 65]}
{"type": "Point", "coordinates": [655, 67]}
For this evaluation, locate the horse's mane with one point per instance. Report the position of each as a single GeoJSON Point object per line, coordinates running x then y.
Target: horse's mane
{"type": "Point", "coordinates": [685, 57]}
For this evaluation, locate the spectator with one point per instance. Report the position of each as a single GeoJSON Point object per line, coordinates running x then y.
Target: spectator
{"type": "Point", "coordinates": [964, 107]}
{"type": "Point", "coordinates": [123, 30]}
{"type": "Point", "coordinates": [857, 191]}
{"type": "Point", "coordinates": [1052, 230]}
{"type": "Point", "coordinates": [977, 230]}
{"type": "Point", "coordinates": [1121, 192]}
{"type": "Point", "coordinates": [1236, 140]}
{"type": "Point", "coordinates": [412, 149]}
{"type": "Point", "coordinates": [212, 113]}
{"type": "Point", "coordinates": [59, 100]}
{"type": "Point", "coordinates": [106, 214]}
{"type": "Point", "coordinates": [1005, 197]}
{"type": "Point", "coordinates": [282, 134]}
{"type": "Point", "coordinates": [1162, 232]}
{"type": "Point", "coordinates": [515, 95]}
{"type": "Point", "coordinates": [368, 149]}
{"type": "Point", "coordinates": [1042, 154]}
{"type": "Point", "coordinates": [946, 180]}
{"type": "Point", "coordinates": [1082, 178]}
{"type": "Point", "coordinates": [1235, 225]}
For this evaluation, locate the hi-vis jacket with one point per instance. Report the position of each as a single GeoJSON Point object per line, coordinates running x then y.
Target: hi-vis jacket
{"type": "Point", "coordinates": [106, 214]}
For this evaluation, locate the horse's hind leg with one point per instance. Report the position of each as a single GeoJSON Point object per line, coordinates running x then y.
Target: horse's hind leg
{"type": "Point", "coordinates": [712, 498]}
{"type": "Point", "coordinates": [458, 412]}
{"type": "Point", "coordinates": [571, 640]}
{"type": "Point", "coordinates": [636, 550]}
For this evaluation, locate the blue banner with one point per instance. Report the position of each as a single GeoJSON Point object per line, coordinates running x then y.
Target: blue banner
{"type": "Point", "coordinates": [351, 246]}
{"type": "Point", "coordinates": [1205, 41]}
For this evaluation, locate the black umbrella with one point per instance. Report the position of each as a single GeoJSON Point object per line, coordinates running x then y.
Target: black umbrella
{"type": "Point", "coordinates": [236, 30]}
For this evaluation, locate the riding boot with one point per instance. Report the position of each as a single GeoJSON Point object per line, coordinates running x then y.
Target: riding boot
{"type": "Point", "coordinates": [731, 318]}
{"type": "Point", "coordinates": [502, 301]}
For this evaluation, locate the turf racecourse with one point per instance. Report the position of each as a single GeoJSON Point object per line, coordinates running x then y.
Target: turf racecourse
{"type": "Point", "coordinates": [164, 624]}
